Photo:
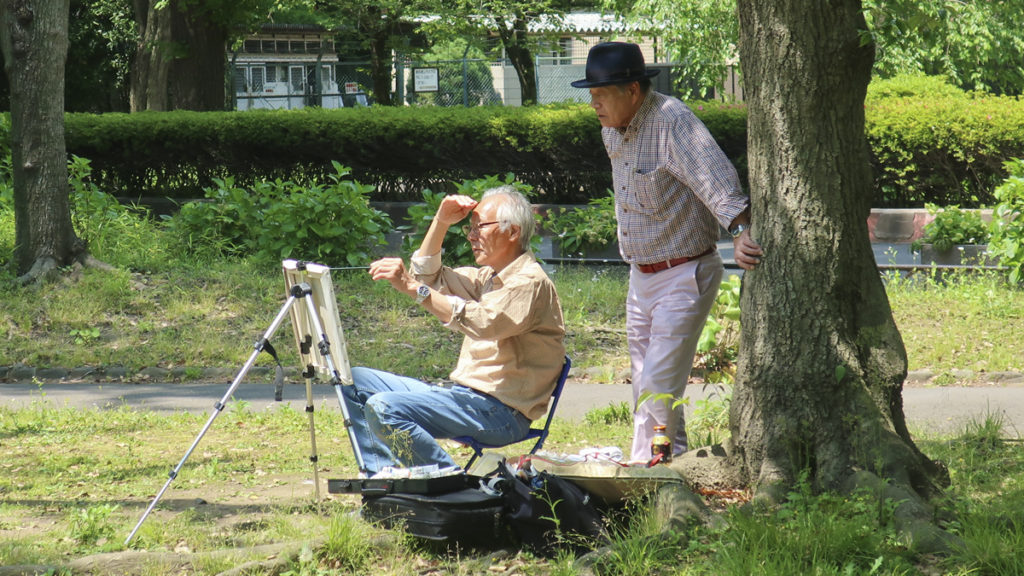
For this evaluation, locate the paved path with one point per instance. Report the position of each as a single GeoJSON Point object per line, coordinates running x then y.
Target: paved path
{"type": "Point", "coordinates": [927, 409]}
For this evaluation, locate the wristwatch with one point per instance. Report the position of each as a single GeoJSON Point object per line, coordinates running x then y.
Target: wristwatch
{"type": "Point", "coordinates": [422, 292]}
{"type": "Point", "coordinates": [738, 229]}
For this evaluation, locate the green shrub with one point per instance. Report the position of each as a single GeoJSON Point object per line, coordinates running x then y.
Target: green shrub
{"type": "Point", "coordinates": [456, 249]}
{"type": "Point", "coordinates": [912, 86]}
{"type": "Point", "coordinates": [556, 149]}
{"type": "Point", "coordinates": [952, 226]}
{"type": "Point", "coordinates": [581, 229]}
{"type": "Point", "coordinates": [1007, 242]}
{"type": "Point", "coordinates": [330, 222]}
{"type": "Point", "coordinates": [941, 148]}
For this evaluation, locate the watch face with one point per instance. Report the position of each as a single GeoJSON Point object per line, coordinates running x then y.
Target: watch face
{"type": "Point", "coordinates": [422, 292]}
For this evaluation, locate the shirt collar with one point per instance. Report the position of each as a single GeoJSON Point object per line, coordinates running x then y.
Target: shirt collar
{"type": "Point", "coordinates": [514, 267]}
{"type": "Point", "coordinates": [641, 113]}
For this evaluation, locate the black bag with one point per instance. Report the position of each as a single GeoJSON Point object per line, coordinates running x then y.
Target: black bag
{"type": "Point", "coordinates": [548, 503]}
{"type": "Point", "coordinates": [468, 516]}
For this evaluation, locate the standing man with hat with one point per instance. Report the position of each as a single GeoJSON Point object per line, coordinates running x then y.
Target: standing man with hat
{"type": "Point", "coordinates": [674, 188]}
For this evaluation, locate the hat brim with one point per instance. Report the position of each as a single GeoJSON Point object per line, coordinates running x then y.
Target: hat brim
{"type": "Point", "coordinates": [612, 81]}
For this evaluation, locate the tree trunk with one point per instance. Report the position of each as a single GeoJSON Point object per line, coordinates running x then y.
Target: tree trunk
{"type": "Point", "coordinates": [180, 59]}
{"type": "Point", "coordinates": [380, 68]}
{"type": "Point", "coordinates": [518, 52]}
{"type": "Point", "coordinates": [822, 364]}
{"type": "Point", "coordinates": [34, 38]}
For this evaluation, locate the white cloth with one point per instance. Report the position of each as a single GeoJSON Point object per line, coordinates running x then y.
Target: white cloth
{"type": "Point", "coordinates": [665, 314]}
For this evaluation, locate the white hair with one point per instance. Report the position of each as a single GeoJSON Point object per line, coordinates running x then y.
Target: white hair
{"type": "Point", "coordinates": [517, 211]}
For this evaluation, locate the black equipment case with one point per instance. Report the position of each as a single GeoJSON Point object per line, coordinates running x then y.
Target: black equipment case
{"type": "Point", "coordinates": [450, 509]}
{"type": "Point", "coordinates": [467, 516]}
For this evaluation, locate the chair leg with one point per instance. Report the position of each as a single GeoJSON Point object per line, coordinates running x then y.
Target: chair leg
{"type": "Point", "coordinates": [476, 454]}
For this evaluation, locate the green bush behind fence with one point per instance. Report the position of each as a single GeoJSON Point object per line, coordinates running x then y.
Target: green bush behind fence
{"type": "Point", "coordinates": [929, 144]}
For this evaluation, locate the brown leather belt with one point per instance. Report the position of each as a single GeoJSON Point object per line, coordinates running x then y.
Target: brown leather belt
{"type": "Point", "coordinates": [665, 265]}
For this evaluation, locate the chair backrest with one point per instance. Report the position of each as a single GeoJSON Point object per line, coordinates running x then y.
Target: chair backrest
{"type": "Point", "coordinates": [540, 434]}
{"type": "Point", "coordinates": [557, 393]}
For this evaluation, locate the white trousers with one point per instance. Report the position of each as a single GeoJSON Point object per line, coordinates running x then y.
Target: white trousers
{"type": "Point", "coordinates": [665, 314]}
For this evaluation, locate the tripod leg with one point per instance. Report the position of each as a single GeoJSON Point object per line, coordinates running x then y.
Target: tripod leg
{"type": "Point", "coordinates": [218, 407]}
{"type": "Point", "coordinates": [312, 432]}
{"type": "Point", "coordinates": [325, 351]}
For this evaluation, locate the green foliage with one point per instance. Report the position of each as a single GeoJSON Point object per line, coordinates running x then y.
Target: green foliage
{"type": "Point", "coordinates": [619, 413]}
{"type": "Point", "coordinates": [580, 230]}
{"type": "Point", "coordinates": [941, 148]}
{"type": "Point", "coordinates": [555, 149]}
{"type": "Point", "coordinates": [330, 222]}
{"type": "Point", "coordinates": [84, 335]}
{"type": "Point", "coordinates": [456, 249]}
{"type": "Point", "coordinates": [701, 35]}
{"type": "Point", "coordinates": [347, 546]}
{"type": "Point", "coordinates": [1007, 241]}
{"type": "Point", "coordinates": [88, 526]}
{"type": "Point", "coordinates": [952, 226]}
{"type": "Point", "coordinates": [719, 340]}
{"type": "Point", "coordinates": [814, 534]}
{"type": "Point", "coordinates": [966, 42]}
{"type": "Point", "coordinates": [709, 423]}
{"type": "Point", "coordinates": [912, 86]}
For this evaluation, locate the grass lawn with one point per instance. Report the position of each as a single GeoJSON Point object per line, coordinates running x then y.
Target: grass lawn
{"type": "Point", "coordinates": [74, 483]}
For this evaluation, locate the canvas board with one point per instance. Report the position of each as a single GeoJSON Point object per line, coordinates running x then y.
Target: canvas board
{"type": "Point", "coordinates": [325, 304]}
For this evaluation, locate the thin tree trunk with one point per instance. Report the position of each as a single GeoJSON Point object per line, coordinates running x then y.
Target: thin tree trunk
{"type": "Point", "coordinates": [34, 38]}
{"type": "Point", "coordinates": [380, 69]}
{"type": "Point", "coordinates": [821, 364]}
{"type": "Point", "coordinates": [514, 40]}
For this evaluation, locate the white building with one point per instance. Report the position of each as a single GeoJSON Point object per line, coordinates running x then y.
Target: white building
{"type": "Point", "coordinates": [286, 66]}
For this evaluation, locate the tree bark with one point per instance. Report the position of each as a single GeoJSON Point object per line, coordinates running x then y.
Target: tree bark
{"type": "Point", "coordinates": [821, 364]}
{"type": "Point", "coordinates": [519, 55]}
{"type": "Point", "coordinates": [34, 38]}
{"type": "Point", "coordinates": [180, 60]}
{"type": "Point", "coordinates": [380, 67]}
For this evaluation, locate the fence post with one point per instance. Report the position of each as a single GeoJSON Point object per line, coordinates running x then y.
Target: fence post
{"type": "Point", "coordinates": [400, 79]}
{"type": "Point", "coordinates": [465, 81]}
{"type": "Point", "coordinates": [536, 76]}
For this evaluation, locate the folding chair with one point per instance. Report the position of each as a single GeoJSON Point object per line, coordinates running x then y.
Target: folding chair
{"type": "Point", "coordinates": [540, 434]}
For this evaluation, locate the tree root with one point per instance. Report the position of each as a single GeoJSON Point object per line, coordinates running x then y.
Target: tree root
{"type": "Point", "coordinates": [43, 270]}
{"type": "Point", "coordinates": [46, 269]}
{"type": "Point", "coordinates": [277, 558]}
{"type": "Point", "coordinates": [913, 517]}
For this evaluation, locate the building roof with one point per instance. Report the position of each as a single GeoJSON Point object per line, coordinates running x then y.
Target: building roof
{"type": "Point", "coordinates": [584, 23]}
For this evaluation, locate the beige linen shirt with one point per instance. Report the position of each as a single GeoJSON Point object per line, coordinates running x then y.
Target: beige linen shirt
{"type": "Point", "coordinates": [512, 322]}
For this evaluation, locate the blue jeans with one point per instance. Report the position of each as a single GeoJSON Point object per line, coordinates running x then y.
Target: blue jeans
{"type": "Point", "coordinates": [396, 419]}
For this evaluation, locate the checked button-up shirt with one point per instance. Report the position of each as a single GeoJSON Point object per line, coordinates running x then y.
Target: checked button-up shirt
{"type": "Point", "coordinates": [674, 187]}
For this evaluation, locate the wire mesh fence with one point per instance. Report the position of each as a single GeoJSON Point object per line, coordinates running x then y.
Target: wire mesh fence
{"type": "Point", "coordinates": [462, 82]}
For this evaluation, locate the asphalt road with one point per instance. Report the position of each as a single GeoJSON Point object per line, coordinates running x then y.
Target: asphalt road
{"type": "Point", "coordinates": [943, 410]}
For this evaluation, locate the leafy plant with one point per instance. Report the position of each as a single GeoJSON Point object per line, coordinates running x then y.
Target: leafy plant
{"type": "Point", "coordinates": [90, 525]}
{"type": "Point", "coordinates": [719, 340]}
{"type": "Point", "coordinates": [1007, 241]}
{"type": "Point", "coordinates": [456, 249]}
{"type": "Point", "coordinates": [950, 227]}
{"type": "Point", "coordinates": [582, 229]}
{"type": "Point", "coordinates": [85, 335]}
{"type": "Point", "coordinates": [285, 219]}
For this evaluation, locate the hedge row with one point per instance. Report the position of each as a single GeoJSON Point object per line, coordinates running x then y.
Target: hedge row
{"type": "Point", "coordinates": [938, 146]}
{"type": "Point", "coordinates": [946, 150]}
{"type": "Point", "coordinates": [556, 149]}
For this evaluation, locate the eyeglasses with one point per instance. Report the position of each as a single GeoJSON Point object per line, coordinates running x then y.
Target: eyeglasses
{"type": "Point", "coordinates": [475, 229]}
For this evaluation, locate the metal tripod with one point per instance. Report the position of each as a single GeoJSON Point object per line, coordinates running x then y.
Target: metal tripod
{"type": "Point", "coordinates": [303, 291]}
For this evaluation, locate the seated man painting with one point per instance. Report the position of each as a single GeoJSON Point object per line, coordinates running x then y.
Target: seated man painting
{"type": "Point", "coordinates": [512, 350]}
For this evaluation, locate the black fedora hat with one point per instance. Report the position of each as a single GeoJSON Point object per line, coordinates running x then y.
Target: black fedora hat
{"type": "Point", "coordinates": [614, 63]}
